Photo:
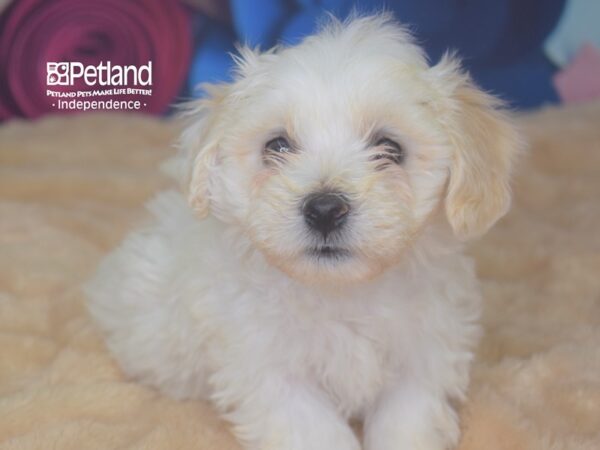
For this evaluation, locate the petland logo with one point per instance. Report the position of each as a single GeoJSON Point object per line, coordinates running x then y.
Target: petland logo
{"type": "Point", "coordinates": [104, 74]}
{"type": "Point", "coordinates": [109, 87]}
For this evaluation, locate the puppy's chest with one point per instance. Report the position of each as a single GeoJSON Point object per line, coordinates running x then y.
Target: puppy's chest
{"type": "Point", "coordinates": [349, 357]}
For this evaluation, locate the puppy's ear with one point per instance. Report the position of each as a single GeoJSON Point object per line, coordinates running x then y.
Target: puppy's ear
{"type": "Point", "coordinates": [484, 145]}
{"type": "Point", "coordinates": [198, 145]}
{"type": "Point", "coordinates": [205, 119]}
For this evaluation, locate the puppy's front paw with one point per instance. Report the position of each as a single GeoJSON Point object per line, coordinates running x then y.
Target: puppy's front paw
{"type": "Point", "coordinates": [278, 415]}
{"type": "Point", "coordinates": [288, 430]}
{"type": "Point", "coordinates": [411, 419]}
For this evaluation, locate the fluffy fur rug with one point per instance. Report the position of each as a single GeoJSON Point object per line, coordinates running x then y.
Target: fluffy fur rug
{"type": "Point", "coordinates": [70, 188]}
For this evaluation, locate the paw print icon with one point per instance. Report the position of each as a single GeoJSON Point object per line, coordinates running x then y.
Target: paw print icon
{"type": "Point", "coordinates": [57, 73]}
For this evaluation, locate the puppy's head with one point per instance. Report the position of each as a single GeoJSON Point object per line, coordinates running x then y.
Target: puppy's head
{"type": "Point", "coordinates": [333, 156]}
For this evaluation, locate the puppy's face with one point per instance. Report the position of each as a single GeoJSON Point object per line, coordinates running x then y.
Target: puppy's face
{"type": "Point", "coordinates": [334, 155]}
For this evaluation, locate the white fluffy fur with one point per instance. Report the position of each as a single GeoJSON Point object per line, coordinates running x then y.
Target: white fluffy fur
{"type": "Point", "coordinates": [220, 300]}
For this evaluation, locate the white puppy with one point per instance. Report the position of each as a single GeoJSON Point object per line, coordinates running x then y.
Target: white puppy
{"type": "Point", "coordinates": [317, 276]}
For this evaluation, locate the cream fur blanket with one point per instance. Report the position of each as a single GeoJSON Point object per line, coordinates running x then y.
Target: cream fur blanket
{"type": "Point", "coordinates": [70, 188]}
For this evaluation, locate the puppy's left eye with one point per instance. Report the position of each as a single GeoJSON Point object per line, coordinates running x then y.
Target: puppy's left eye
{"type": "Point", "coordinates": [388, 149]}
{"type": "Point", "coordinates": [279, 145]}
{"type": "Point", "coordinates": [275, 151]}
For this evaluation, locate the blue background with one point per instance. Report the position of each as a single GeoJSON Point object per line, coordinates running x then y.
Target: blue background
{"type": "Point", "coordinates": [500, 41]}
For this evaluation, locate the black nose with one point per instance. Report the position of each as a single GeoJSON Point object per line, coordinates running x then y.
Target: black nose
{"type": "Point", "coordinates": [325, 212]}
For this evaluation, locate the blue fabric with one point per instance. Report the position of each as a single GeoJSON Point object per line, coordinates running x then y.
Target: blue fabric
{"type": "Point", "coordinates": [577, 26]}
{"type": "Point", "coordinates": [500, 41]}
{"type": "Point", "coordinates": [212, 60]}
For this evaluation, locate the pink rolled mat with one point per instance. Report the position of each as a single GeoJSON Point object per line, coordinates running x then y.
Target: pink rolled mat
{"type": "Point", "coordinates": [124, 32]}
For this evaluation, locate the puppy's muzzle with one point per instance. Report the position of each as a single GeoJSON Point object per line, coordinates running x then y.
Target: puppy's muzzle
{"type": "Point", "coordinates": [325, 212]}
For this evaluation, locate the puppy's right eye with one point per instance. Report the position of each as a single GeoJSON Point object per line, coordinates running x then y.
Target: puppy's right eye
{"type": "Point", "coordinates": [278, 146]}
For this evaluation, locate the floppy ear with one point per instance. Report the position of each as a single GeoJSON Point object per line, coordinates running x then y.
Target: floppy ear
{"type": "Point", "coordinates": [198, 146]}
{"type": "Point", "coordinates": [205, 119]}
{"type": "Point", "coordinates": [484, 145]}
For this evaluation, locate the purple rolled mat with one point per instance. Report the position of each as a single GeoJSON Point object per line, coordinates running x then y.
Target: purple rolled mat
{"type": "Point", "coordinates": [91, 32]}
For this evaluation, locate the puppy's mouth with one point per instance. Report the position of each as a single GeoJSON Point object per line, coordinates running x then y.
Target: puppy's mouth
{"type": "Point", "coordinates": [328, 252]}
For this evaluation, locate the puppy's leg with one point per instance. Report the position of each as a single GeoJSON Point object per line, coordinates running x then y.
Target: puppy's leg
{"type": "Point", "coordinates": [280, 414]}
{"type": "Point", "coordinates": [410, 417]}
